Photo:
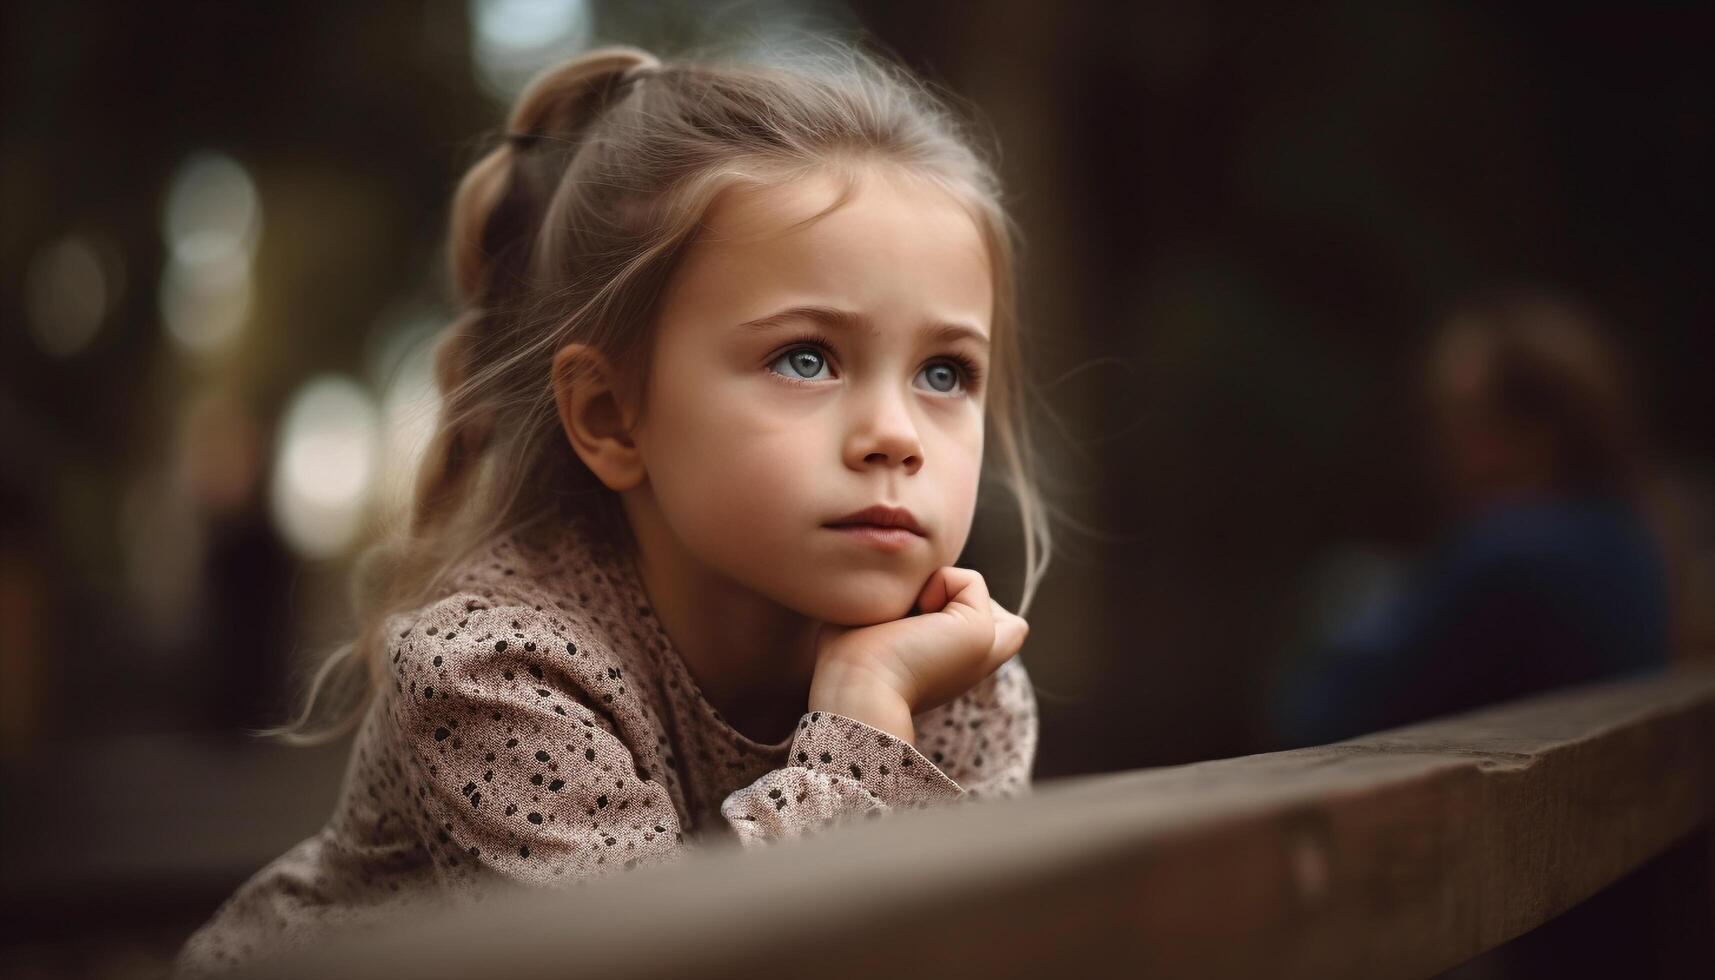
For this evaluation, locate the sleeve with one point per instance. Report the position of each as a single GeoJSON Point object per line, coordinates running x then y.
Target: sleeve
{"type": "Point", "coordinates": [528, 760]}
{"type": "Point", "coordinates": [980, 744]}
{"type": "Point", "coordinates": [519, 750]}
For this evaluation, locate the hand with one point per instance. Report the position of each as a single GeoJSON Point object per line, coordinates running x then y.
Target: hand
{"type": "Point", "coordinates": [959, 637]}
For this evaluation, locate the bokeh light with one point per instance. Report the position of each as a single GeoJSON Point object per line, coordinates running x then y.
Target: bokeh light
{"type": "Point", "coordinates": [211, 224]}
{"type": "Point", "coordinates": [511, 40]}
{"type": "Point", "coordinates": [325, 468]}
{"type": "Point", "coordinates": [69, 288]}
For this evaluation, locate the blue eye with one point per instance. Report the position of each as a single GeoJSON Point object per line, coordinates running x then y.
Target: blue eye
{"type": "Point", "coordinates": [804, 363]}
{"type": "Point", "coordinates": [943, 370]}
{"type": "Point", "coordinates": [806, 359]}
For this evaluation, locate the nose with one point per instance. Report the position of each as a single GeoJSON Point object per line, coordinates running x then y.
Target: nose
{"type": "Point", "coordinates": [883, 433]}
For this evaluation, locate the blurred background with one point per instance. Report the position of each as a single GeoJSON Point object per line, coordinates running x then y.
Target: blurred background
{"type": "Point", "coordinates": [222, 252]}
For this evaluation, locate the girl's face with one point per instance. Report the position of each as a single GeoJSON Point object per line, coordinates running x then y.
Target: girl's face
{"type": "Point", "coordinates": [756, 438]}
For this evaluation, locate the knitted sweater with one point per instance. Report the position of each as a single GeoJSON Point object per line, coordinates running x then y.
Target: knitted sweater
{"type": "Point", "coordinates": [537, 726]}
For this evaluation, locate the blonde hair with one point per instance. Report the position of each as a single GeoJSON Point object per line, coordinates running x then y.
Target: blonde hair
{"type": "Point", "coordinates": [568, 229]}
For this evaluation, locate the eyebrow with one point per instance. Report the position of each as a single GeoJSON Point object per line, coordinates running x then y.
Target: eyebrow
{"type": "Point", "coordinates": [850, 320]}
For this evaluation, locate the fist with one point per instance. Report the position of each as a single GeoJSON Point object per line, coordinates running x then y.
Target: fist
{"type": "Point", "coordinates": [956, 636]}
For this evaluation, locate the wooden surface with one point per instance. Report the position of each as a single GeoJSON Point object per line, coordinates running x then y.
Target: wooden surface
{"type": "Point", "coordinates": [1398, 854]}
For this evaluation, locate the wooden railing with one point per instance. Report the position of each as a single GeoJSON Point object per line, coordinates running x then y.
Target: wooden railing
{"type": "Point", "coordinates": [1398, 854]}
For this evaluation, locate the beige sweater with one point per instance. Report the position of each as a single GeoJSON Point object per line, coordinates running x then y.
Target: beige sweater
{"type": "Point", "coordinates": [537, 726]}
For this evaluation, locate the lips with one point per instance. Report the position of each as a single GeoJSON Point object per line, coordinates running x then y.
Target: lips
{"type": "Point", "coordinates": [882, 515]}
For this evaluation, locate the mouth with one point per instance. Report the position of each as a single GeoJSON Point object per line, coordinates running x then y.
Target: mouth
{"type": "Point", "coordinates": [877, 536]}
{"type": "Point", "coordinates": [881, 517]}
{"type": "Point", "coordinates": [875, 527]}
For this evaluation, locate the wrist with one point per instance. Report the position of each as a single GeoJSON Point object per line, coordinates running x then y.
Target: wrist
{"type": "Point", "coordinates": [876, 706]}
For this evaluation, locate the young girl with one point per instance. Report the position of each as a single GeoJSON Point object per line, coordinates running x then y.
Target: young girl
{"type": "Point", "coordinates": [680, 563]}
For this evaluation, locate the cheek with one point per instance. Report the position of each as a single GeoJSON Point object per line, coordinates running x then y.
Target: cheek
{"type": "Point", "coordinates": [959, 483]}
{"type": "Point", "coordinates": [724, 469]}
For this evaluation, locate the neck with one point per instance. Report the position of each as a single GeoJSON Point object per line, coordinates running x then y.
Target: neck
{"type": "Point", "coordinates": [752, 658]}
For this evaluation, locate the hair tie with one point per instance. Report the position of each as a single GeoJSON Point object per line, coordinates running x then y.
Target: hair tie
{"type": "Point", "coordinates": [625, 80]}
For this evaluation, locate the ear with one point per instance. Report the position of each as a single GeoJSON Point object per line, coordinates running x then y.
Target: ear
{"type": "Point", "coordinates": [595, 417]}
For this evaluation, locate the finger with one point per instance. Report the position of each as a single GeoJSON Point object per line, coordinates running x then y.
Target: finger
{"type": "Point", "coordinates": [1001, 614]}
{"type": "Point", "coordinates": [973, 597]}
{"type": "Point", "coordinates": [1007, 643]}
{"type": "Point", "coordinates": [951, 584]}
{"type": "Point", "coordinates": [944, 583]}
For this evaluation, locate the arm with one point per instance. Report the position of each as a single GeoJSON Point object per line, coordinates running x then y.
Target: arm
{"type": "Point", "coordinates": [521, 765]}
{"type": "Point", "coordinates": [980, 745]}
{"type": "Point", "coordinates": [986, 738]}
{"type": "Point", "coordinates": [511, 751]}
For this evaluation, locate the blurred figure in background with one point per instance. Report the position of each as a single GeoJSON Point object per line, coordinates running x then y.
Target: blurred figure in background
{"type": "Point", "coordinates": [1551, 574]}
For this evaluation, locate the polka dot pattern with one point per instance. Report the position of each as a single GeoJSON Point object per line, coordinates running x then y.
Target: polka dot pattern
{"type": "Point", "coordinates": [537, 726]}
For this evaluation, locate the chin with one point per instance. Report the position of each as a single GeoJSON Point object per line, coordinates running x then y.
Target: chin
{"type": "Point", "coordinates": [881, 603]}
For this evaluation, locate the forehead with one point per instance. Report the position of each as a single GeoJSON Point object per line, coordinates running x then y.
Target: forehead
{"type": "Point", "coordinates": [898, 246]}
